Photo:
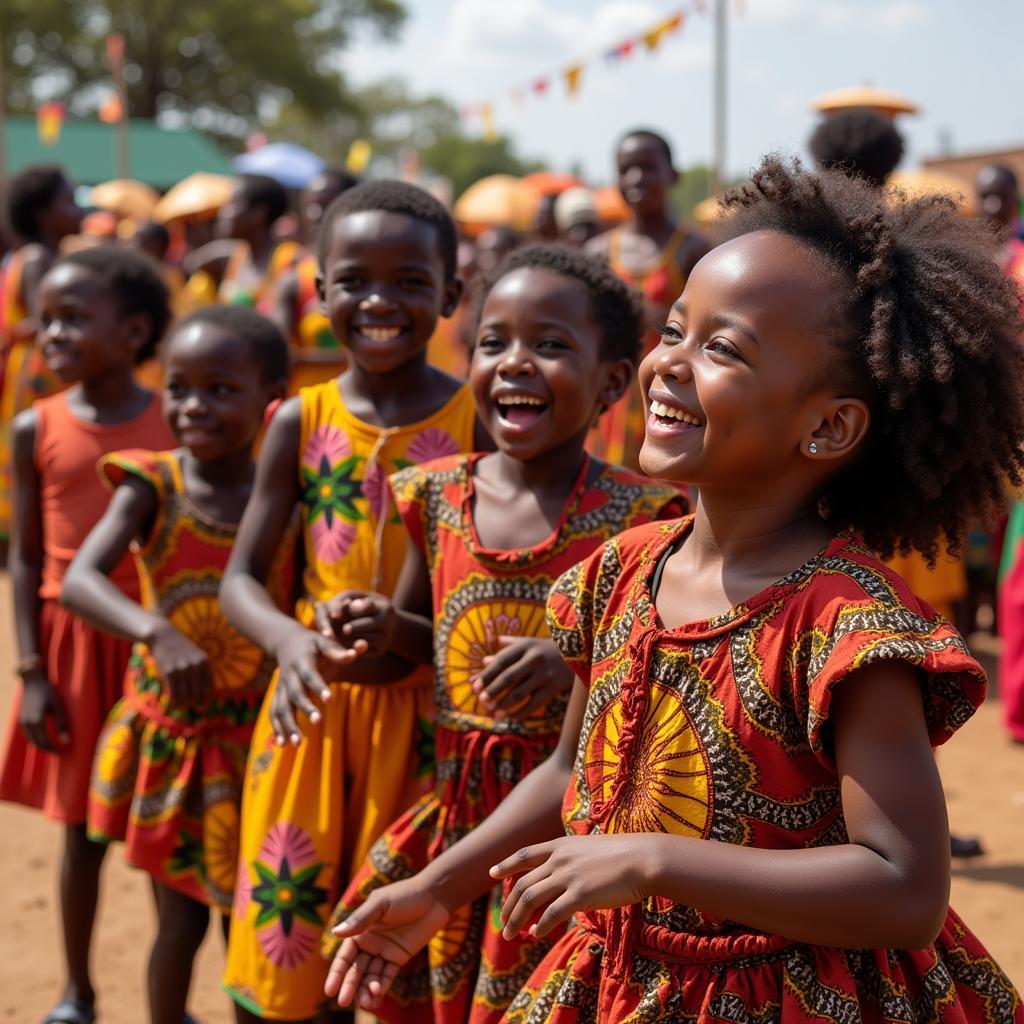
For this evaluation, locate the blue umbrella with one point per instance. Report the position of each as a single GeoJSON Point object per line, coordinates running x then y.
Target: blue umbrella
{"type": "Point", "coordinates": [286, 162]}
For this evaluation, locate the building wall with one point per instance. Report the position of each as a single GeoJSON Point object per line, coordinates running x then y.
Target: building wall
{"type": "Point", "coordinates": [966, 165]}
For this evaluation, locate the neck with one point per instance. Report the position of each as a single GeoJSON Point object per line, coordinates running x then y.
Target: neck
{"type": "Point", "coordinates": [112, 392]}
{"type": "Point", "coordinates": [384, 389]}
{"type": "Point", "coordinates": [761, 535]}
{"type": "Point", "coordinates": [232, 470]}
{"type": "Point", "coordinates": [261, 247]}
{"type": "Point", "coordinates": [554, 470]}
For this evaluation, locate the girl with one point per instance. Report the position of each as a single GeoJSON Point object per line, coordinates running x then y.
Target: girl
{"type": "Point", "coordinates": [102, 311]}
{"type": "Point", "coordinates": [316, 799]}
{"type": "Point", "coordinates": [557, 343]}
{"type": "Point", "coordinates": [169, 765]}
{"type": "Point", "coordinates": [756, 829]}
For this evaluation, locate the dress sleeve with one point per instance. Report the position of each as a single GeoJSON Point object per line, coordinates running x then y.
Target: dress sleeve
{"type": "Point", "coordinates": [953, 684]}
{"type": "Point", "coordinates": [410, 488]}
{"type": "Point", "coordinates": [115, 467]}
{"type": "Point", "coordinates": [576, 606]}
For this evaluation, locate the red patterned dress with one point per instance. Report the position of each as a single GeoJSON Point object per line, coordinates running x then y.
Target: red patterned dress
{"type": "Point", "coordinates": [469, 973]}
{"type": "Point", "coordinates": [168, 780]}
{"type": "Point", "coordinates": [720, 730]}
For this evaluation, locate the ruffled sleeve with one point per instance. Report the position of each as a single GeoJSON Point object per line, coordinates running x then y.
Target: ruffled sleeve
{"type": "Point", "coordinates": [410, 489]}
{"type": "Point", "coordinates": [156, 468]}
{"type": "Point", "coordinates": [890, 625]}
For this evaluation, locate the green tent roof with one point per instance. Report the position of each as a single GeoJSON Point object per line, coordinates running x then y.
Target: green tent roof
{"type": "Point", "coordinates": [88, 151]}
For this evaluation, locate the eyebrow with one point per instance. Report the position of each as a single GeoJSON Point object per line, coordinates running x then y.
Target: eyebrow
{"type": "Point", "coordinates": [722, 320]}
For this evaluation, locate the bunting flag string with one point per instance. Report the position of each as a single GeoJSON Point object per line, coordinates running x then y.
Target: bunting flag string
{"type": "Point", "coordinates": [572, 74]}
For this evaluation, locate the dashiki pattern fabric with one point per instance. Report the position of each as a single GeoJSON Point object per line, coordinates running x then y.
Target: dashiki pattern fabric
{"type": "Point", "coordinates": [167, 779]}
{"type": "Point", "coordinates": [720, 730]}
{"type": "Point", "coordinates": [469, 973]}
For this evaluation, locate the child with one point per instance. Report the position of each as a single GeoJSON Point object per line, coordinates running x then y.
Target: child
{"type": "Point", "coordinates": [314, 803]}
{"type": "Point", "coordinates": [169, 765]}
{"type": "Point", "coordinates": [42, 210]}
{"type": "Point", "coordinates": [653, 253]}
{"type": "Point", "coordinates": [258, 260]}
{"type": "Point", "coordinates": [557, 341]}
{"type": "Point", "coordinates": [101, 312]}
{"type": "Point", "coordinates": [756, 828]}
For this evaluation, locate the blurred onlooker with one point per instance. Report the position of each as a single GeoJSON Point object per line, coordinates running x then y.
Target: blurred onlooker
{"type": "Point", "coordinates": [576, 216]}
{"type": "Point", "coordinates": [860, 142]}
{"type": "Point", "coordinates": [492, 246]}
{"type": "Point", "coordinates": [544, 227]}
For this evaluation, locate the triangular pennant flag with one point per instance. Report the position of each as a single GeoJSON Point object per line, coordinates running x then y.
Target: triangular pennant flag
{"type": "Point", "coordinates": [112, 110]}
{"type": "Point", "coordinates": [625, 49]}
{"type": "Point", "coordinates": [540, 86]}
{"type": "Point", "coordinates": [612, 56]}
{"type": "Point", "coordinates": [653, 38]}
{"type": "Point", "coordinates": [358, 159]}
{"type": "Point", "coordinates": [49, 118]}
{"type": "Point", "coordinates": [468, 113]}
{"type": "Point", "coordinates": [490, 133]}
{"type": "Point", "coordinates": [572, 78]}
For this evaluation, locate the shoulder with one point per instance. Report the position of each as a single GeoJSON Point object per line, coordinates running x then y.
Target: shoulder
{"type": "Point", "coordinates": [155, 469]}
{"type": "Point", "coordinates": [24, 429]}
{"type": "Point", "coordinates": [419, 480]}
{"type": "Point", "coordinates": [600, 245]}
{"type": "Point", "coordinates": [617, 500]}
{"type": "Point", "coordinates": [445, 387]}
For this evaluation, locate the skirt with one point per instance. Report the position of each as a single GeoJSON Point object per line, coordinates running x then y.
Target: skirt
{"type": "Point", "coordinates": [87, 669]}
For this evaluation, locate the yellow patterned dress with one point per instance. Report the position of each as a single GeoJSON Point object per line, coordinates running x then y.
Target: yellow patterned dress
{"type": "Point", "coordinates": [167, 780]}
{"type": "Point", "coordinates": [312, 811]}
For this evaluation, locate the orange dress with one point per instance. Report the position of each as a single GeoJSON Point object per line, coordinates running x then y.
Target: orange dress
{"type": "Point", "coordinates": [86, 667]}
{"type": "Point", "coordinates": [620, 431]}
{"type": "Point", "coordinates": [719, 730]}
{"type": "Point", "coordinates": [167, 779]}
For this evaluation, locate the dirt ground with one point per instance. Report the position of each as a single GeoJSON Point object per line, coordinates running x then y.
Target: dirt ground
{"type": "Point", "coordinates": [985, 783]}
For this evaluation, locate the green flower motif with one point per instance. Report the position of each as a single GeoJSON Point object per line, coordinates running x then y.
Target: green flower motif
{"type": "Point", "coordinates": [285, 896]}
{"type": "Point", "coordinates": [331, 491]}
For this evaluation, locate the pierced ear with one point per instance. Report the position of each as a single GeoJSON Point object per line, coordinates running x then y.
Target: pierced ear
{"type": "Point", "coordinates": [618, 376]}
{"type": "Point", "coordinates": [452, 296]}
{"type": "Point", "coordinates": [840, 431]}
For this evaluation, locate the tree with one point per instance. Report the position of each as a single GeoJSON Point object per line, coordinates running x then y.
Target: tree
{"type": "Point", "coordinates": [222, 65]}
{"type": "Point", "coordinates": [463, 159]}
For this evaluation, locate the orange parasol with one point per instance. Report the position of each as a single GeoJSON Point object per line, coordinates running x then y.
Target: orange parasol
{"type": "Point", "coordinates": [924, 181]}
{"type": "Point", "coordinates": [611, 207]}
{"type": "Point", "coordinates": [551, 183]}
{"type": "Point", "coordinates": [883, 100]}
{"type": "Point", "coordinates": [198, 195]}
{"type": "Point", "coordinates": [497, 201]}
{"type": "Point", "coordinates": [125, 197]}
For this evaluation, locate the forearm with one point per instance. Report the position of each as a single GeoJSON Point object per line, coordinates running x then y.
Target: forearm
{"type": "Point", "coordinates": [846, 896]}
{"type": "Point", "coordinates": [388, 668]}
{"type": "Point", "coordinates": [94, 597]}
{"type": "Point", "coordinates": [530, 814]}
{"type": "Point", "coordinates": [250, 609]}
{"type": "Point", "coordinates": [26, 578]}
{"type": "Point", "coordinates": [413, 638]}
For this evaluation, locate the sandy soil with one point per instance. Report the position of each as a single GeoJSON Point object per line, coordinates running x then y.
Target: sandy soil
{"type": "Point", "coordinates": [984, 776]}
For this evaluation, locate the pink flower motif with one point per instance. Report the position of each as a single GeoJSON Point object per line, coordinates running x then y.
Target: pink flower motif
{"type": "Point", "coordinates": [286, 841]}
{"type": "Point", "coordinates": [284, 950]}
{"type": "Point", "coordinates": [500, 625]}
{"type": "Point", "coordinates": [331, 541]}
{"type": "Point", "coordinates": [243, 890]}
{"type": "Point", "coordinates": [376, 490]}
{"type": "Point", "coordinates": [431, 444]}
{"type": "Point", "coordinates": [326, 442]}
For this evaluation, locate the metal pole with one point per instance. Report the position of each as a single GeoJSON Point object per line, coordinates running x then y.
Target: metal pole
{"type": "Point", "coordinates": [719, 98]}
{"type": "Point", "coordinates": [123, 159]}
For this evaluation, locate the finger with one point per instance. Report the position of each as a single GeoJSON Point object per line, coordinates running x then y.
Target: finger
{"type": "Point", "coordinates": [507, 680]}
{"type": "Point", "coordinates": [504, 642]}
{"type": "Point", "coordinates": [322, 620]}
{"type": "Point", "coordinates": [496, 664]}
{"type": "Point", "coordinates": [540, 697]}
{"type": "Point", "coordinates": [557, 912]}
{"type": "Point", "coordinates": [519, 691]}
{"type": "Point", "coordinates": [353, 978]}
{"type": "Point", "coordinates": [303, 682]}
{"type": "Point", "coordinates": [528, 898]}
{"type": "Point", "coordinates": [366, 625]}
{"type": "Point", "coordinates": [370, 992]}
{"type": "Point", "coordinates": [39, 737]}
{"type": "Point", "coordinates": [524, 859]}
{"type": "Point", "coordinates": [334, 652]}
{"type": "Point", "coordinates": [60, 720]}
{"type": "Point", "coordinates": [359, 920]}
{"type": "Point", "coordinates": [289, 727]}
{"type": "Point", "coordinates": [340, 966]}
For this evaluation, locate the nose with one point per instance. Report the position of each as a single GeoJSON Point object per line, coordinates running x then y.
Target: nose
{"type": "Point", "coordinates": [516, 361]}
{"type": "Point", "coordinates": [633, 175]}
{"type": "Point", "coordinates": [670, 362]}
{"type": "Point", "coordinates": [377, 302]}
{"type": "Point", "coordinates": [193, 404]}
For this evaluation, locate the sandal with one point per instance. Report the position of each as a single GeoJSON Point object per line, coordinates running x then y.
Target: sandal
{"type": "Point", "coordinates": [70, 1011]}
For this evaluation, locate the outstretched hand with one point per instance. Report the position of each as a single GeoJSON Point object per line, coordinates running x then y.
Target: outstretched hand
{"type": "Point", "coordinates": [567, 875]}
{"type": "Point", "coordinates": [379, 938]}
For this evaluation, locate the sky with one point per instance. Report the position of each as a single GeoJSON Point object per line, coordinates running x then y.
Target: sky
{"type": "Point", "coordinates": [961, 62]}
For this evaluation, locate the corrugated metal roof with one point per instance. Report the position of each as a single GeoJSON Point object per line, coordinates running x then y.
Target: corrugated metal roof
{"type": "Point", "coordinates": [88, 151]}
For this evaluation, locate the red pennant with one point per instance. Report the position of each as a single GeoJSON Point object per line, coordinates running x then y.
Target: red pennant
{"type": "Point", "coordinates": [540, 86]}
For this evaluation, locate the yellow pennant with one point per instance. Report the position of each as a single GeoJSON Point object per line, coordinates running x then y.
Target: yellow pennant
{"type": "Point", "coordinates": [358, 158]}
{"type": "Point", "coordinates": [490, 133]}
{"type": "Point", "coordinates": [572, 78]}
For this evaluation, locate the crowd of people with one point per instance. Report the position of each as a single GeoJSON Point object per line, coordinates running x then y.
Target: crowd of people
{"type": "Point", "coordinates": [547, 628]}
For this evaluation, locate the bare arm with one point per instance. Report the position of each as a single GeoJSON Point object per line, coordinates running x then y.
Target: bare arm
{"type": "Point", "coordinates": [282, 304]}
{"type": "Point", "coordinates": [887, 888]}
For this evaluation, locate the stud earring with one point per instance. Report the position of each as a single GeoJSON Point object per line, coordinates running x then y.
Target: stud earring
{"type": "Point", "coordinates": [813, 447]}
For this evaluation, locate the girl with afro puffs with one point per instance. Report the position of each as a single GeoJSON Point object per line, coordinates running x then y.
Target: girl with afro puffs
{"type": "Point", "coordinates": [743, 820]}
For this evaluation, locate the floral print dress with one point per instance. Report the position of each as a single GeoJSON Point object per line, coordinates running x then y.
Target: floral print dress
{"type": "Point", "coordinates": [312, 811]}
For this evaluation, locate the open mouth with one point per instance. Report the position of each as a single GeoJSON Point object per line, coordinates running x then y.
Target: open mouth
{"type": "Point", "coordinates": [670, 417]}
{"type": "Point", "coordinates": [520, 411]}
{"type": "Point", "coordinates": [379, 335]}
{"type": "Point", "coordinates": [193, 437]}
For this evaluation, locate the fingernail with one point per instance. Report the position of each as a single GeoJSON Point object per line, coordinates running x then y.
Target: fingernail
{"type": "Point", "coordinates": [295, 739]}
{"type": "Point", "coordinates": [493, 870]}
{"type": "Point", "coordinates": [315, 717]}
{"type": "Point", "coordinates": [325, 694]}
{"type": "Point", "coordinates": [279, 740]}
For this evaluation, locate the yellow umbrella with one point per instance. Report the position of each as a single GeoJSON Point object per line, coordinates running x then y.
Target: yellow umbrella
{"type": "Point", "coordinates": [126, 198]}
{"type": "Point", "coordinates": [927, 182]}
{"type": "Point", "coordinates": [497, 201]}
{"type": "Point", "coordinates": [883, 100]}
{"type": "Point", "coordinates": [198, 195]}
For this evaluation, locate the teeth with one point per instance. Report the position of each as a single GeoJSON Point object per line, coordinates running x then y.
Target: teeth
{"type": "Point", "coordinates": [521, 400]}
{"type": "Point", "coordinates": [667, 412]}
{"type": "Point", "coordinates": [381, 334]}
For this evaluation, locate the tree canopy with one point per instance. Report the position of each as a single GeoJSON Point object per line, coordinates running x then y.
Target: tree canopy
{"type": "Point", "coordinates": [222, 66]}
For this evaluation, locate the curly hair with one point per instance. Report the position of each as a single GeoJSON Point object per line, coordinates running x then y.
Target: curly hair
{"type": "Point", "coordinates": [267, 345]}
{"type": "Point", "coordinates": [261, 190]}
{"type": "Point", "coordinates": [932, 340]}
{"type": "Point", "coordinates": [393, 197]}
{"type": "Point", "coordinates": [858, 141]}
{"type": "Point", "coordinates": [135, 281]}
{"type": "Point", "coordinates": [29, 193]}
{"type": "Point", "coordinates": [652, 136]}
{"type": "Point", "coordinates": [617, 309]}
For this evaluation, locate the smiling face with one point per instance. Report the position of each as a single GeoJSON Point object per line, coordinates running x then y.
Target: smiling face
{"type": "Point", "coordinates": [214, 391]}
{"type": "Point", "coordinates": [384, 287]}
{"type": "Point", "coordinates": [746, 370]}
{"type": "Point", "coordinates": [84, 334]}
{"type": "Point", "coordinates": [645, 174]}
{"type": "Point", "coordinates": [537, 374]}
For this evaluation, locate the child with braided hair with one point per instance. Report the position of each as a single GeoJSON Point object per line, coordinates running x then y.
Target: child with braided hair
{"type": "Point", "coordinates": [752, 825]}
